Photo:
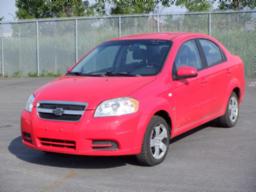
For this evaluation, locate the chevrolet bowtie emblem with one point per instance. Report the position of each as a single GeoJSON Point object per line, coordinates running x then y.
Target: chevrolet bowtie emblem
{"type": "Point", "coordinates": [58, 111]}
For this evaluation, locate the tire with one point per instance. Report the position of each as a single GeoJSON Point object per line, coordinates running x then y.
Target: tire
{"type": "Point", "coordinates": [229, 119]}
{"type": "Point", "coordinates": [156, 142]}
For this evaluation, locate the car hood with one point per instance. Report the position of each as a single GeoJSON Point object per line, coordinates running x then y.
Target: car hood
{"type": "Point", "coordinates": [92, 90]}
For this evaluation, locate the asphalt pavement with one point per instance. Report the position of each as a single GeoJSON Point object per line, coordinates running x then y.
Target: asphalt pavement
{"type": "Point", "coordinates": [207, 159]}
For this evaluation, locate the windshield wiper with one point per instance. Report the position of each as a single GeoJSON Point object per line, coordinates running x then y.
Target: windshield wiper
{"type": "Point", "coordinates": [94, 74]}
{"type": "Point", "coordinates": [103, 74]}
{"type": "Point", "coordinates": [121, 74]}
{"type": "Point", "coordinates": [85, 74]}
{"type": "Point", "coordinates": [74, 73]}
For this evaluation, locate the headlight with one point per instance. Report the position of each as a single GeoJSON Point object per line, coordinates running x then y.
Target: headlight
{"type": "Point", "coordinates": [117, 107]}
{"type": "Point", "coordinates": [29, 104]}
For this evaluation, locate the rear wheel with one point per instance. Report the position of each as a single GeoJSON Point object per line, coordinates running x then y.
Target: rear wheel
{"type": "Point", "coordinates": [229, 119]}
{"type": "Point", "coordinates": [156, 142]}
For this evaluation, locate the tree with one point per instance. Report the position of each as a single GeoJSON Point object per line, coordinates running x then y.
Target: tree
{"type": "Point", "coordinates": [28, 9]}
{"type": "Point", "coordinates": [119, 7]}
{"type": "Point", "coordinates": [236, 4]}
{"type": "Point", "coordinates": [141, 6]}
{"type": "Point", "coordinates": [1, 18]}
{"type": "Point", "coordinates": [137, 6]}
{"type": "Point", "coordinates": [195, 5]}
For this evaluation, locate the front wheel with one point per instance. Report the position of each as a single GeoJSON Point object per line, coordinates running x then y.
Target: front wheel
{"type": "Point", "coordinates": [229, 119]}
{"type": "Point", "coordinates": [156, 142]}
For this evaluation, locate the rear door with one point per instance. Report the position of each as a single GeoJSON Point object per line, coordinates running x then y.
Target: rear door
{"type": "Point", "coordinates": [217, 72]}
{"type": "Point", "coordinates": [191, 94]}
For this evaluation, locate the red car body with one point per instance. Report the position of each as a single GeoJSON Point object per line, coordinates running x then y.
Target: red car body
{"type": "Point", "coordinates": [184, 103]}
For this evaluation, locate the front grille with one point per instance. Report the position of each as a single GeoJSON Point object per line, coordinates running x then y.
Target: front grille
{"type": "Point", "coordinates": [61, 110]}
{"type": "Point", "coordinates": [58, 143]}
{"type": "Point", "coordinates": [62, 117]}
{"type": "Point", "coordinates": [70, 106]}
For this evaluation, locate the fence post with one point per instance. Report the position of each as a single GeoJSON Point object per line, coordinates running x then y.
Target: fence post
{"type": "Point", "coordinates": [254, 71]}
{"type": "Point", "coordinates": [209, 23]}
{"type": "Point", "coordinates": [119, 26]}
{"type": "Point", "coordinates": [76, 40]}
{"type": "Point", "coordinates": [37, 49]}
{"type": "Point", "coordinates": [2, 56]}
{"type": "Point", "coordinates": [158, 22]}
{"type": "Point", "coordinates": [19, 52]}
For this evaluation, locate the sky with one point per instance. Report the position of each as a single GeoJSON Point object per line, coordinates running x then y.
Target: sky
{"type": "Point", "coordinates": [7, 9]}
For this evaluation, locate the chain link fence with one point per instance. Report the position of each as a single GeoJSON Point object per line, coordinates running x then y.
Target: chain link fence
{"type": "Point", "coordinates": [50, 46]}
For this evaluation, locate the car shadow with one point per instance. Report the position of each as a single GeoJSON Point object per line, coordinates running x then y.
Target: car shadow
{"type": "Point", "coordinates": [73, 161]}
{"type": "Point", "coordinates": [63, 160]}
{"type": "Point", "coordinates": [211, 124]}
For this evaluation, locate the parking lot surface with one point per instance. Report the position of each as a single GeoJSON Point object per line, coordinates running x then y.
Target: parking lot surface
{"type": "Point", "coordinates": [207, 159]}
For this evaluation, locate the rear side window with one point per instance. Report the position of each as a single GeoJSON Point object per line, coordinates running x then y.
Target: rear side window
{"type": "Point", "coordinates": [212, 52]}
{"type": "Point", "coordinates": [188, 55]}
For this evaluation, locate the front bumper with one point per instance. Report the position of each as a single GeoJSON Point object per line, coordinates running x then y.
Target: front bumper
{"type": "Point", "coordinates": [105, 136]}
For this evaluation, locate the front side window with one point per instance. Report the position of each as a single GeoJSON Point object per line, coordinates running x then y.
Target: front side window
{"type": "Point", "coordinates": [211, 51]}
{"type": "Point", "coordinates": [125, 57]}
{"type": "Point", "coordinates": [188, 55]}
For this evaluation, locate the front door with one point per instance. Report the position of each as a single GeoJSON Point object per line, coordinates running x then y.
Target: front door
{"type": "Point", "coordinates": [191, 94]}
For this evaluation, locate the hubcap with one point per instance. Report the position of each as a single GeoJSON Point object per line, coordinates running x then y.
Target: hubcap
{"type": "Point", "coordinates": [158, 141]}
{"type": "Point", "coordinates": [233, 109]}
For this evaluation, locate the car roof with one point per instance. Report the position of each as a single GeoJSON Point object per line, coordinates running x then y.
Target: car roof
{"type": "Point", "coordinates": [162, 36]}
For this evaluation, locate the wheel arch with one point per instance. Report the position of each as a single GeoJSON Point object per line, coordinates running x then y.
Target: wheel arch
{"type": "Point", "coordinates": [234, 86]}
{"type": "Point", "coordinates": [160, 108]}
{"type": "Point", "coordinates": [165, 115]}
{"type": "Point", "coordinates": [237, 91]}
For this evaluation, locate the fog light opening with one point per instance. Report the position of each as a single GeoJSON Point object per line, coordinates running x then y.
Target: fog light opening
{"type": "Point", "coordinates": [104, 145]}
{"type": "Point", "coordinates": [27, 137]}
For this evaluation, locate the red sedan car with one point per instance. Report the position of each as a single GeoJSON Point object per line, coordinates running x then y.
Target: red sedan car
{"type": "Point", "coordinates": [131, 95]}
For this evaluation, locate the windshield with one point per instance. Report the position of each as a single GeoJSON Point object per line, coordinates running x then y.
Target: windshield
{"type": "Point", "coordinates": [124, 58]}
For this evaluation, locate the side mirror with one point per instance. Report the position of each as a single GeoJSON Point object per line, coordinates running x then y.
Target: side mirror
{"type": "Point", "coordinates": [186, 72]}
